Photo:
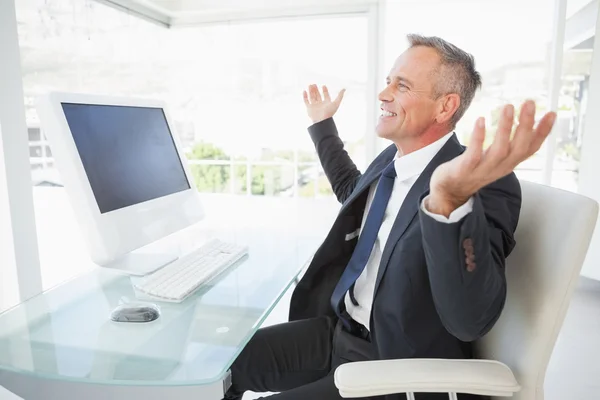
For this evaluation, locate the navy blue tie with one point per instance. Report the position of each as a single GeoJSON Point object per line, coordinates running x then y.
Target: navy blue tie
{"type": "Point", "coordinates": [366, 240]}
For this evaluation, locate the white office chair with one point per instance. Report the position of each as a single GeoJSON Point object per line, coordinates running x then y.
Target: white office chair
{"type": "Point", "coordinates": [553, 235]}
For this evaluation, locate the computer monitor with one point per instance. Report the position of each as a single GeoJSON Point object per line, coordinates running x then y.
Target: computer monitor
{"type": "Point", "coordinates": [125, 173]}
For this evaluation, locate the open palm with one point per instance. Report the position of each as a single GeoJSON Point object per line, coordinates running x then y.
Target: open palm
{"type": "Point", "coordinates": [320, 108]}
{"type": "Point", "coordinates": [464, 175]}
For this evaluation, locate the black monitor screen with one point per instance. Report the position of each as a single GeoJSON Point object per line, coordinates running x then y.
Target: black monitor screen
{"type": "Point", "coordinates": [128, 153]}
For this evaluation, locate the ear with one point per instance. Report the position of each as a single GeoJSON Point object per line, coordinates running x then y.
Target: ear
{"type": "Point", "coordinates": [447, 106]}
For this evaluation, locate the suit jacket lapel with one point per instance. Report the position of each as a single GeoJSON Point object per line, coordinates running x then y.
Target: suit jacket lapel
{"type": "Point", "coordinates": [375, 172]}
{"type": "Point", "coordinates": [410, 206]}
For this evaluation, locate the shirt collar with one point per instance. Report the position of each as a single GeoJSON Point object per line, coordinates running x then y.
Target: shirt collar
{"type": "Point", "coordinates": [412, 164]}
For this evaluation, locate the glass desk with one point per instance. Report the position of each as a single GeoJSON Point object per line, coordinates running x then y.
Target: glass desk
{"type": "Point", "coordinates": [61, 344]}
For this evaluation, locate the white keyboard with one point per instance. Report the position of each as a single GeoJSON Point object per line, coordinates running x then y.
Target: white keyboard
{"type": "Point", "coordinates": [182, 277]}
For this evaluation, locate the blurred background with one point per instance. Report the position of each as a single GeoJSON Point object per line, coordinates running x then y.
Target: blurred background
{"type": "Point", "coordinates": [234, 88]}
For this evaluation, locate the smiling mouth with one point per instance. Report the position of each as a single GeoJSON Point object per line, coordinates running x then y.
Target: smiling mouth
{"type": "Point", "coordinates": [385, 113]}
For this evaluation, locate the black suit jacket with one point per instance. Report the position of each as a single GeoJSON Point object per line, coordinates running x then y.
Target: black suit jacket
{"type": "Point", "coordinates": [428, 302]}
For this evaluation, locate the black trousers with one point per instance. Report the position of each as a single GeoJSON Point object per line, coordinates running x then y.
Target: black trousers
{"type": "Point", "coordinates": [297, 359]}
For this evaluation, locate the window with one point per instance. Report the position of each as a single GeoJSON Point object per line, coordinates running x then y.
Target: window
{"type": "Point", "coordinates": [574, 92]}
{"type": "Point", "coordinates": [246, 132]}
{"type": "Point", "coordinates": [35, 151]}
{"type": "Point", "coordinates": [34, 134]}
{"type": "Point", "coordinates": [511, 52]}
{"type": "Point", "coordinates": [234, 92]}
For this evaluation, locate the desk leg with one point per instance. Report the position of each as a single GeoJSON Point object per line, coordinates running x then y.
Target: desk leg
{"type": "Point", "coordinates": [34, 388]}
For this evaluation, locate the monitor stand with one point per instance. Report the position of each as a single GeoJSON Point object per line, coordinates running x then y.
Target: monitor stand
{"type": "Point", "coordinates": [140, 263]}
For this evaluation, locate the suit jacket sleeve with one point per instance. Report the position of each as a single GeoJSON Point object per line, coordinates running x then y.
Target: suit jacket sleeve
{"type": "Point", "coordinates": [470, 295]}
{"type": "Point", "coordinates": [339, 168]}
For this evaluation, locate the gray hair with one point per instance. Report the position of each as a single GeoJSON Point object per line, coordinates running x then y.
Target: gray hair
{"type": "Point", "coordinates": [456, 73]}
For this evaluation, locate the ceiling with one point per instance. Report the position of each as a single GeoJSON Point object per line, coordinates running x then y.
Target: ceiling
{"type": "Point", "coordinates": [176, 13]}
{"type": "Point", "coordinates": [579, 30]}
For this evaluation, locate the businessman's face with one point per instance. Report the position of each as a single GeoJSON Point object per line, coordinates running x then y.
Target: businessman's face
{"type": "Point", "coordinates": [407, 105]}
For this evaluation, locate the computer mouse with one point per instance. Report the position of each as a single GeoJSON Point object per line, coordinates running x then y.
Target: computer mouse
{"type": "Point", "coordinates": [135, 313]}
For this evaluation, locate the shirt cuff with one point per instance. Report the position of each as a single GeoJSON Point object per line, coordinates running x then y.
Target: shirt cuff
{"type": "Point", "coordinates": [455, 215]}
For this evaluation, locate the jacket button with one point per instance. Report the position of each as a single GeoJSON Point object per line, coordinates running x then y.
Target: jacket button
{"type": "Point", "coordinates": [469, 254]}
{"type": "Point", "coordinates": [471, 266]}
{"type": "Point", "coordinates": [468, 244]}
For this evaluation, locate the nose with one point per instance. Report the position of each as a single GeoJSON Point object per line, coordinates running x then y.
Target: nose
{"type": "Point", "coordinates": [385, 94]}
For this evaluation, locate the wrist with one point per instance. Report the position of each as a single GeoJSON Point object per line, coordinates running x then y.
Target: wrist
{"type": "Point", "coordinates": [320, 118]}
{"type": "Point", "coordinates": [441, 203]}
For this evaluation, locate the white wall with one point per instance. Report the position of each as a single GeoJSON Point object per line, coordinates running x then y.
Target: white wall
{"type": "Point", "coordinates": [589, 169]}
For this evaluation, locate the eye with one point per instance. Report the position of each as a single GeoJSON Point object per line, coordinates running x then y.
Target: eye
{"type": "Point", "coordinates": [402, 86]}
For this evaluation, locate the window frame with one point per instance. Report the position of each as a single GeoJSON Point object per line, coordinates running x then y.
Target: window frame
{"type": "Point", "coordinates": [14, 154]}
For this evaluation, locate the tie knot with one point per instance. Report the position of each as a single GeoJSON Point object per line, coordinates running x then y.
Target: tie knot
{"type": "Point", "coordinates": [390, 170]}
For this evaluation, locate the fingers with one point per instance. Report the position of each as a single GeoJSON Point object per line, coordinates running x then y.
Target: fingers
{"type": "Point", "coordinates": [501, 146]}
{"type": "Point", "coordinates": [524, 133]}
{"type": "Point", "coordinates": [475, 150]}
{"type": "Point", "coordinates": [505, 154]}
{"type": "Point", "coordinates": [339, 97]}
{"type": "Point", "coordinates": [305, 96]}
{"type": "Point", "coordinates": [541, 132]}
{"type": "Point", "coordinates": [326, 93]}
{"type": "Point", "coordinates": [314, 94]}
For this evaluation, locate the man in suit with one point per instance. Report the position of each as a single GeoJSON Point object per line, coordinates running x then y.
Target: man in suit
{"type": "Point", "coordinates": [413, 266]}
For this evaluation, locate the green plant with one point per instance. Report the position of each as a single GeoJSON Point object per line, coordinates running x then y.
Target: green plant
{"type": "Point", "coordinates": [209, 178]}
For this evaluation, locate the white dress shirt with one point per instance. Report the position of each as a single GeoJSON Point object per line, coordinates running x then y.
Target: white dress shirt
{"type": "Point", "coordinates": [408, 168]}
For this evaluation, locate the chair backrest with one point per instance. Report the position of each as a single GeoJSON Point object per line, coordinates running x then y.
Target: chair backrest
{"type": "Point", "coordinates": [553, 235]}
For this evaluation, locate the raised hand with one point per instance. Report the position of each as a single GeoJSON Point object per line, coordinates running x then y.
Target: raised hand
{"type": "Point", "coordinates": [452, 183]}
{"type": "Point", "coordinates": [318, 108]}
